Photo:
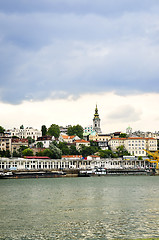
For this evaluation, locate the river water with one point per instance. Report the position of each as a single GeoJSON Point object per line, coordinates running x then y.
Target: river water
{"type": "Point", "coordinates": [122, 207]}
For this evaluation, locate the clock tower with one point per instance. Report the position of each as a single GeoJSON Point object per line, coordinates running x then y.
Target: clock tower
{"type": "Point", "coordinates": [96, 121]}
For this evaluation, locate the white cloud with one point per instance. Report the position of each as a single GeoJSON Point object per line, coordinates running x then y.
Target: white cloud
{"type": "Point", "coordinates": [143, 112]}
{"type": "Point", "coordinates": [44, 52]}
{"type": "Point", "coordinates": [125, 113]}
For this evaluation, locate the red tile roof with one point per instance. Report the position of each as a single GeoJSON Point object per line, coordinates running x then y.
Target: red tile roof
{"type": "Point", "coordinates": [136, 138]}
{"type": "Point", "coordinates": [17, 140]}
{"type": "Point", "coordinates": [36, 157]}
{"type": "Point", "coordinates": [71, 156]}
{"type": "Point", "coordinates": [68, 137]}
{"type": "Point", "coordinates": [81, 141]}
{"type": "Point", "coordinates": [118, 138]}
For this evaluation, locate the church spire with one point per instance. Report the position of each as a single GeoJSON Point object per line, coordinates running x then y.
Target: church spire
{"type": "Point", "coordinates": [96, 121]}
{"type": "Point", "coordinates": [96, 115]}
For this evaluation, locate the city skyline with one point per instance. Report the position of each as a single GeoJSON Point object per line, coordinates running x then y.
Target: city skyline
{"type": "Point", "coordinates": [60, 58]}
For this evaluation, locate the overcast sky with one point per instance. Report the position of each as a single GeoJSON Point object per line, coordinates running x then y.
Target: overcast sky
{"type": "Point", "coordinates": [58, 58]}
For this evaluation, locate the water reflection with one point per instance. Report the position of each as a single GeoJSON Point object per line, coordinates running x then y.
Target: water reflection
{"type": "Point", "coordinates": [80, 208]}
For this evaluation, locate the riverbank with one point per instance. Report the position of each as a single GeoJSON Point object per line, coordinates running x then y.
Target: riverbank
{"type": "Point", "coordinates": [14, 174]}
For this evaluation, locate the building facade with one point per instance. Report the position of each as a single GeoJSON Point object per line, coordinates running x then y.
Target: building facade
{"type": "Point", "coordinates": [134, 145]}
{"type": "Point", "coordinates": [17, 143]}
{"type": "Point", "coordinates": [69, 162]}
{"type": "Point", "coordinates": [27, 132]}
{"type": "Point", "coordinates": [79, 143]}
{"type": "Point", "coordinates": [88, 129]}
{"type": "Point", "coordinates": [5, 143]}
{"type": "Point", "coordinates": [68, 139]}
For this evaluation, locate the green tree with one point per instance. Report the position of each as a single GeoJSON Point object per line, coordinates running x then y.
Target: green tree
{"type": "Point", "coordinates": [56, 152]}
{"type": "Point", "coordinates": [40, 153]}
{"type": "Point", "coordinates": [21, 149]}
{"type": "Point", "coordinates": [123, 135]}
{"type": "Point", "coordinates": [93, 143]}
{"type": "Point", "coordinates": [73, 150]}
{"type": "Point", "coordinates": [2, 153]}
{"type": "Point", "coordinates": [106, 154]}
{"type": "Point", "coordinates": [121, 151]}
{"type": "Point", "coordinates": [22, 127]}
{"type": "Point", "coordinates": [7, 154]}
{"type": "Point", "coordinates": [64, 148]}
{"type": "Point", "coordinates": [86, 151]}
{"type": "Point", "coordinates": [27, 152]}
{"type": "Point", "coordinates": [39, 145]}
{"type": "Point", "coordinates": [54, 130]}
{"type": "Point", "coordinates": [44, 130]}
{"type": "Point", "coordinates": [16, 154]}
{"type": "Point", "coordinates": [2, 129]}
{"type": "Point", "coordinates": [75, 130]}
{"type": "Point", "coordinates": [47, 153]}
{"type": "Point", "coordinates": [30, 140]}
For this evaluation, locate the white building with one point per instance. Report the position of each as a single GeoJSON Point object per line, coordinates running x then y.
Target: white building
{"type": "Point", "coordinates": [134, 145]}
{"type": "Point", "coordinates": [63, 130]}
{"type": "Point", "coordinates": [68, 139]}
{"type": "Point", "coordinates": [88, 129]}
{"type": "Point", "coordinates": [45, 140]}
{"type": "Point", "coordinates": [68, 162]}
{"type": "Point", "coordinates": [27, 132]}
{"type": "Point", "coordinates": [80, 143]}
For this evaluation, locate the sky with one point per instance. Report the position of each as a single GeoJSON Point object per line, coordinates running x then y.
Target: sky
{"type": "Point", "coordinates": [59, 58]}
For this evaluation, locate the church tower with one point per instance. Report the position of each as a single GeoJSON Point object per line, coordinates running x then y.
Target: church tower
{"type": "Point", "coordinates": [96, 121]}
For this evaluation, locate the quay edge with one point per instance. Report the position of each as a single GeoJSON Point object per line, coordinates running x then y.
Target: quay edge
{"type": "Point", "coordinates": [15, 174]}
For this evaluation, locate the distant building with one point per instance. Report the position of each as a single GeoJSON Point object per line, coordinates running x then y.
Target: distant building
{"type": "Point", "coordinates": [81, 142]}
{"type": "Point", "coordinates": [145, 134]}
{"type": "Point", "coordinates": [24, 133]}
{"type": "Point", "coordinates": [134, 145]}
{"type": "Point", "coordinates": [88, 129]}
{"type": "Point", "coordinates": [45, 140]}
{"type": "Point", "coordinates": [63, 130]}
{"type": "Point", "coordinates": [17, 143]}
{"type": "Point", "coordinates": [129, 131]}
{"type": "Point", "coordinates": [93, 157]}
{"type": "Point", "coordinates": [5, 143]}
{"type": "Point", "coordinates": [101, 139]}
{"type": "Point", "coordinates": [96, 121]}
{"type": "Point", "coordinates": [70, 162]}
{"type": "Point", "coordinates": [68, 139]}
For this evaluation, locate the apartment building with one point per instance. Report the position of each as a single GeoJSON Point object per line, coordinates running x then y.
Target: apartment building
{"type": "Point", "coordinates": [88, 129]}
{"type": "Point", "coordinates": [17, 143]}
{"type": "Point", "coordinates": [5, 143]}
{"type": "Point", "coordinates": [134, 145]}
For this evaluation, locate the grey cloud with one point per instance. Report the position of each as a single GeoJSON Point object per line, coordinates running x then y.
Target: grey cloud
{"type": "Point", "coordinates": [53, 55]}
{"type": "Point", "coordinates": [125, 114]}
{"type": "Point", "coordinates": [105, 7]}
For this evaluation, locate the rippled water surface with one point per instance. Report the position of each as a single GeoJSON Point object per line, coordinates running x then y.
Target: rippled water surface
{"type": "Point", "coordinates": [120, 207]}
